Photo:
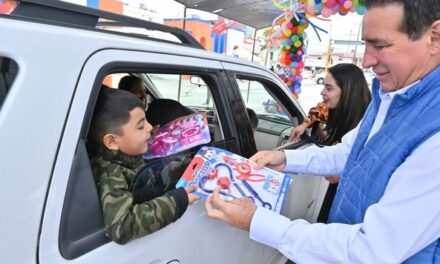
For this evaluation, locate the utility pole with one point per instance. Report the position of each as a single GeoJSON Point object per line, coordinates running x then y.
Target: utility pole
{"type": "Point", "coordinates": [329, 51]}
{"type": "Point", "coordinates": [180, 76]}
{"type": "Point", "coordinates": [253, 45]}
{"type": "Point", "coordinates": [356, 45]}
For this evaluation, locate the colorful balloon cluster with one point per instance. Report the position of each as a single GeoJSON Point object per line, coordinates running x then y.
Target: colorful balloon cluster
{"type": "Point", "coordinates": [327, 8]}
{"type": "Point", "coordinates": [293, 21]}
{"type": "Point", "coordinates": [291, 54]}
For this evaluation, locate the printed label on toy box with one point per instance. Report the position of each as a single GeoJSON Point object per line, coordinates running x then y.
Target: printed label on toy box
{"type": "Point", "coordinates": [213, 166]}
{"type": "Point", "coordinates": [178, 135]}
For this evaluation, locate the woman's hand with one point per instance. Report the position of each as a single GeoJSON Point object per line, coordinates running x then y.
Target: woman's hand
{"type": "Point", "coordinates": [297, 132]}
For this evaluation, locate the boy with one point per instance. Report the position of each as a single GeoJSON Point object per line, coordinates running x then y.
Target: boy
{"type": "Point", "coordinates": [119, 135]}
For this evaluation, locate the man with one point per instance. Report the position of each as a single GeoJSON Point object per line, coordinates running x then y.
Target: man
{"type": "Point", "coordinates": [386, 207]}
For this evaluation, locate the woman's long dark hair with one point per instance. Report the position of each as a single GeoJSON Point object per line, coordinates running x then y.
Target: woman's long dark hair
{"type": "Point", "coordinates": [354, 100]}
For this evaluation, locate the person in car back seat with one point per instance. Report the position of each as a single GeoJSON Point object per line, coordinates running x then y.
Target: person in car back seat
{"type": "Point", "coordinates": [162, 111]}
{"type": "Point", "coordinates": [253, 118]}
{"type": "Point", "coordinates": [119, 136]}
{"type": "Point", "coordinates": [134, 85]}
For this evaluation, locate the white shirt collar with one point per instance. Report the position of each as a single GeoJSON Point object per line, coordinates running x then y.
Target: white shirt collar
{"type": "Point", "coordinates": [390, 95]}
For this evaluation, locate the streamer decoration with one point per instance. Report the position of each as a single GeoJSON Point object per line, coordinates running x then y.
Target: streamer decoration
{"type": "Point", "coordinates": [290, 28]}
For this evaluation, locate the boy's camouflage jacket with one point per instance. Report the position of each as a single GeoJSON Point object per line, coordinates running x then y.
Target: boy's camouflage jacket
{"type": "Point", "coordinates": [114, 173]}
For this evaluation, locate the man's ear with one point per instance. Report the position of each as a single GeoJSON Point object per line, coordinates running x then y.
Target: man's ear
{"type": "Point", "coordinates": [435, 37]}
{"type": "Point", "coordinates": [110, 141]}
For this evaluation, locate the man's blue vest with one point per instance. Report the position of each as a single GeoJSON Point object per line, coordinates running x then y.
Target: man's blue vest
{"type": "Point", "coordinates": [412, 118]}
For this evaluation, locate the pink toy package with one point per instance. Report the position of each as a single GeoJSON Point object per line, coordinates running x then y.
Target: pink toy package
{"type": "Point", "coordinates": [213, 167]}
{"type": "Point", "coordinates": [178, 135]}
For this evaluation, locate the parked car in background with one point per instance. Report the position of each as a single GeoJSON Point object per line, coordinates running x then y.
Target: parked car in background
{"type": "Point", "coordinates": [319, 78]}
{"type": "Point", "coordinates": [368, 73]}
{"type": "Point", "coordinates": [54, 58]}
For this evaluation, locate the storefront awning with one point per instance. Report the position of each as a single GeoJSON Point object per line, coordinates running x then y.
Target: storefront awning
{"type": "Point", "coordinates": [255, 13]}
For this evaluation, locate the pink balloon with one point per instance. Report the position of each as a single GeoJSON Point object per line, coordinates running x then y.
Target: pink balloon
{"type": "Point", "coordinates": [330, 4]}
{"type": "Point", "coordinates": [348, 4]}
{"type": "Point", "coordinates": [310, 9]}
{"type": "Point", "coordinates": [326, 12]}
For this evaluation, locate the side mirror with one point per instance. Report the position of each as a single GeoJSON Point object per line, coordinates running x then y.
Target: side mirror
{"type": "Point", "coordinates": [196, 80]}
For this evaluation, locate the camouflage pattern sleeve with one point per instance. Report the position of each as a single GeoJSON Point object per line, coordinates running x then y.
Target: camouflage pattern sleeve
{"type": "Point", "coordinates": [125, 221]}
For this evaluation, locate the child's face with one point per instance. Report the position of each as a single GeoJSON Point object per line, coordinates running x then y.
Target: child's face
{"type": "Point", "coordinates": [135, 134]}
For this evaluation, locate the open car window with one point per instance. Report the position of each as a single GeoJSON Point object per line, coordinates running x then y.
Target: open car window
{"type": "Point", "coordinates": [261, 101]}
{"type": "Point", "coordinates": [273, 120]}
{"type": "Point", "coordinates": [193, 92]}
{"type": "Point", "coordinates": [189, 90]}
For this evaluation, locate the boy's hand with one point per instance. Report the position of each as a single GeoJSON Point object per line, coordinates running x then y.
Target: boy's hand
{"type": "Point", "coordinates": [191, 197]}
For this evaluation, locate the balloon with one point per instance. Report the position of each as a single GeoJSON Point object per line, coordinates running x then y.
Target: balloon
{"type": "Point", "coordinates": [326, 12]}
{"type": "Point", "coordinates": [318, 7]}
{"type": "Point", "coordinates": [292, 34]}
{"type": "Point", "coordinates": [361, 10]}
{"type": "Point", "coordinates": [348, 4]}
{"type": "Point", "coordinates": [331, 3]}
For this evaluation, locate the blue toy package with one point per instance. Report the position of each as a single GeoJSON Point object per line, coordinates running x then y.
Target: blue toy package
{"type": "Point", "coordinates": [178, 135]}
{"type": "Point", "coordinates": [213, 166]}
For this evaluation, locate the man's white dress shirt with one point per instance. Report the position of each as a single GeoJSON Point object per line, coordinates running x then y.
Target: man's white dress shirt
{"type": "Point", "coordinates": [405, 220]}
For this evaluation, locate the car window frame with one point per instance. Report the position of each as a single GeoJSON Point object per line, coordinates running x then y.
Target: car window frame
{"type": "Point", "coordinates": [274, 89]}
{"type": "Point", "coordinates": [215, 82]}
{"type": "Point", "coordinates": [9, 70]}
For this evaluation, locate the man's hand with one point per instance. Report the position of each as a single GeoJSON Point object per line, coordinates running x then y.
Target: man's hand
{"type": "Point", "coordinates": [273, 159]}
{"type": "Point", "coordinates": [332, 179]}
{"type": "Point", "coordinates": [191, 197]}
{"type": "Point", "coordinates": [238, 212]}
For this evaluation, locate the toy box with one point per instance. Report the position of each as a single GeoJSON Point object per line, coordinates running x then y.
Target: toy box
{"type": "Point", "coordinates": [178, 135]}
{"type": "Point", "coordinates": [213, 166]}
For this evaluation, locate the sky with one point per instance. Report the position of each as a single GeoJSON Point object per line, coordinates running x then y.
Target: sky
{"type": "Point", "coordinates": [340, 27]}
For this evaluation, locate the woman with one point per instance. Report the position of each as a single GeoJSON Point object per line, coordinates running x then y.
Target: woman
{"type": "Point", "coordinates": [345, 99]}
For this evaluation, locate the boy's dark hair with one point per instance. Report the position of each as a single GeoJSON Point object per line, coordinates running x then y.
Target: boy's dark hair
{"type": "Point", "coordinates": [418, 16]}
{"type": "Point", "coordinates": [127, 82]}
{"type": "Point", "coordinates": [112, 111]}
{"type": "Point", "coordinates": [253, 118]}
{"type": "Point", "coordinates": [161, 111]}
